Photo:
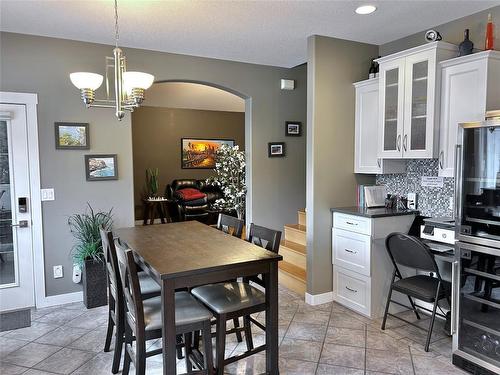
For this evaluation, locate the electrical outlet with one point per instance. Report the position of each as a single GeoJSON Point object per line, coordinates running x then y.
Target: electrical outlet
{"type": "Point", "coordinates": [47, 194]}
{"type": "Point", "coordinates": [58, 272]}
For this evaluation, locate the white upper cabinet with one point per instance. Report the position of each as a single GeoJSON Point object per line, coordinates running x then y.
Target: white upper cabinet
{"type": "Point", "coordinates": [409, 101]}
{"type": "Point", "coordinates": [470, 86]}
{"type": "Point", "coordinates": [366, 159]}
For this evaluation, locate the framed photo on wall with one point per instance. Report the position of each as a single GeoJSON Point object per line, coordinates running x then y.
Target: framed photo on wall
{"type": "Point", "coordinates": [72, 136]}
{"type": "Point", "coordinates": [199, 153]}
{"type": "Point", "coordinates": [293, 128]}
{"type": "Point", "coordinates": [101, 167]}
{"type": "Point", "coordinates": [276, 149]}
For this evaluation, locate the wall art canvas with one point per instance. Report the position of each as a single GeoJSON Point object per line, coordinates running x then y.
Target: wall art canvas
{"type": "Point", "coordinates": [72, 136]}
{"type": "Point", "coordinates": [101, 167]}
{"type": "Point", "coordinates": [200, 153]}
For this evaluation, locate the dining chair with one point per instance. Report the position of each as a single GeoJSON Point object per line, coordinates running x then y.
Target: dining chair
{"type": "Point", "coordinates": [410, 252]}
{"type": "Point", "coordinates": [231, 225]}
{"type": "Point", "coordinates": [143, 319]}
{"type": "Point", "coordinates": [116, 308]}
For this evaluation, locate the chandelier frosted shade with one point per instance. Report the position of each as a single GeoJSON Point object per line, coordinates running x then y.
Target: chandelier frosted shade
{"type": "Point", "coordinates": [137, 80]}
{"type": "Point", "coordinates": [86, 80]}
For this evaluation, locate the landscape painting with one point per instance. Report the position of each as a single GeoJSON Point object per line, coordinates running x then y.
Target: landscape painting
{"type": "Point", "coordinates": [200, 153]}
{"type": "Point", "coordinates": [72, 136]}
{"type": "Point", "coordinates": [101, 167]}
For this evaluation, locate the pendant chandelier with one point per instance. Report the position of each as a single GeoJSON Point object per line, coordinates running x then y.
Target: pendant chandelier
{"type": "Point", "coordinates": [129, 86]}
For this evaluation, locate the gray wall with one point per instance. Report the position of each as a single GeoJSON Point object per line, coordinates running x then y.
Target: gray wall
{"type": "Point", "coordinates": [452, 32]}
{"type": "Point", "coordinates": [333, 65]}
{"type": "Point", "coordinates": [156, 140]}
{"type": "Point", "coordinates": [41, 65]}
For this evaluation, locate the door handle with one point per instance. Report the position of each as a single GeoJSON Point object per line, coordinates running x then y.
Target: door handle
{"type": "Point", "coordinates": [399, 142]}
{"type": "Point", "coordinates": [405, 142]}
{"type": "Point", "coordinates": [455, 283]}
{"type": "Point", "coordinates": [441, 159]}
{"type": "Point", "coordinates": [21, 224]}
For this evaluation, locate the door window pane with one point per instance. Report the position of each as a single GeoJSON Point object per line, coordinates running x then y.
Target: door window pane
{"type": "Point", "coordinates": [8, 257]}
{"type": "Point", "coordinates": [391, 109]}
{"type": "Point", "coordinates": [419, 106]}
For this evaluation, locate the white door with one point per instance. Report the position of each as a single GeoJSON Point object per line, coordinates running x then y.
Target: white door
{"type": "Point", "coordinates": [420, 83]}
{"type": "Point", "coordinates": [16, 239]}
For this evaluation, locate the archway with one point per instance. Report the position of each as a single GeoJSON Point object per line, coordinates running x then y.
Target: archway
{"type": "Point", "coordinates": [232, 100]}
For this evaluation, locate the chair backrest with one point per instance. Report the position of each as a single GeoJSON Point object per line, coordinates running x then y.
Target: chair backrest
{"type": "Point", "coordinates": [231, 225]}
{"type": "Point", "coordinates": [264, 237]}
{"type": "Point", "coordinates": [410, 252]}
{"type": "Point", "coordinates": [130, 282]}
{"type": "Point", "coordinates": [113, 276]}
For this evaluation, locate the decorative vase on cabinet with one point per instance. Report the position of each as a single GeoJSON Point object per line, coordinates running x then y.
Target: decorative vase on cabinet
{"type": "Point", "coordinates": [409, 101]}
{"type": "Point", "coordinates": [470, 87]}
{"type": "Point", "coordinates": [366, 159]}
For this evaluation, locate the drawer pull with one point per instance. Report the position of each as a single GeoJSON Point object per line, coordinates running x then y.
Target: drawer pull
{"type": "Point", "coordinates": [351, 223]}
{"type": "Point", "coordinates": [351, 290]}
{"type": "Point", "coordinates": [351, 251]}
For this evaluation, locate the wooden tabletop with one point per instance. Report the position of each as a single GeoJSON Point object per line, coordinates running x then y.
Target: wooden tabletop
{"type": "Point", "coordinates": [189, 248]}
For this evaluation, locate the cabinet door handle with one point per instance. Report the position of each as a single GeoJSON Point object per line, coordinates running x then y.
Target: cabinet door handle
{"type": "Point", "coordinates": [455, 282]}
{"type": "Point", "coordinates": [441, 159]}
{"type": "Point", "coordinates": [378, 162]}
{"type": "Point", "coordinates": [351, 251]}
{"type": "Point", "coordinates": [405, 142]}
{"type": "Point", "coordinates": [351, 223]}
{"type": "Point", "coordinates": [351, 290]}
{"type": "Point", "coordinates": [399, 142]}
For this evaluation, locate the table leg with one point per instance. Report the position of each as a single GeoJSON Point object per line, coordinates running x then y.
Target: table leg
{"type": "Point", "coordinates": [271, 284]}
{"type": "Point", "coordinates": [168, 327]}
{"type": "Point", "coordinates": [145, 214]}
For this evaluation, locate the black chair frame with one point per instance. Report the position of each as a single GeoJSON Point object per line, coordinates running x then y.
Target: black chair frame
{"type": "Point", "coordinates": [413, 306]}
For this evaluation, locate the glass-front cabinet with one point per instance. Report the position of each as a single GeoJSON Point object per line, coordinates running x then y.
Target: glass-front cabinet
{"type": "Point", "coordinates": [409, 98]}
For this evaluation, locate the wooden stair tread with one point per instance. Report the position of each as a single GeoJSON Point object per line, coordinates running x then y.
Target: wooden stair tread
{"type": "Point", "coordinates": [293, 270]}
{"type": "Point", "coordinates": [294, 246]}
{"type": "Point", "coordinates": [296, 227]}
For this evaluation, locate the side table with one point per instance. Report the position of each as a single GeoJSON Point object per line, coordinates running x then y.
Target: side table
{"type": "Point", "coordinates": [151, 207]}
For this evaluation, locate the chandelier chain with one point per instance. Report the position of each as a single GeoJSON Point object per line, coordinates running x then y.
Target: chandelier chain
{"type": "Point", "coordinates": [116, 23]}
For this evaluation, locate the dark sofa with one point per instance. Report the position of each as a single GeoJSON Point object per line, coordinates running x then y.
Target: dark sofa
{"type": "Point", "coordinates": [198, 209]}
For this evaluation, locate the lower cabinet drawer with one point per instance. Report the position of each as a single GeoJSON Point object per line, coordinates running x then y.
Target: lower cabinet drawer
{"type": "Point", "coordinates": [352, 290]}
{"type": "Point", "coordinates": [351, 250]}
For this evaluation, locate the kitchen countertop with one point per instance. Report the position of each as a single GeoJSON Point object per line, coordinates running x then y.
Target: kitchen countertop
{"type": "Point", "coordinates": [373, 212]}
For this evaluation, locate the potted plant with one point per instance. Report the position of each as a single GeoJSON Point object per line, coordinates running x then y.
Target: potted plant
{"type": "Point", "coordinates": [152, 182]}
{"type": "Point", "coordinates": [230, 177]}
{"type": "Point", "coordinates": [88, 253]}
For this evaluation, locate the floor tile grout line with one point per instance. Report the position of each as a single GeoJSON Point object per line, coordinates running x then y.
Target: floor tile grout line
{"type": "Point", "coordinates": [324, 338]}
{"type": "Point", "coordinates": [411, 359]}
{"type": "Point", "coordinates": [366, 344]}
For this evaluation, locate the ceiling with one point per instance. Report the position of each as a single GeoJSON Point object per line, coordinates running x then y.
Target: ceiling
{"type": "Point", "coordinates": [263, 32]}
{"type": "Point", "coordinates": [192, 96]}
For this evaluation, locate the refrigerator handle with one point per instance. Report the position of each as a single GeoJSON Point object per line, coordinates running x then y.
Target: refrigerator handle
{"type": "Point", "coordinates": [458, 187]}
{"type": "Point", "coordinates": [455, 286]}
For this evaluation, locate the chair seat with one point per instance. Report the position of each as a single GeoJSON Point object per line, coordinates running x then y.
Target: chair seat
{"type": "Point", "coordinates": [148, 285]}
{"type": "Point", "coordinates": [187, 311]}
{"type": "Point", "coordinates": [422, 287]}
{"type": "Point", "coordinates": [229, 297]}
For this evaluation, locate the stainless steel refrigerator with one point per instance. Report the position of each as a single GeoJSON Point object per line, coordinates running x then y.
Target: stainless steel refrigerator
{"type": "Point", "coordinates": [476, 270]}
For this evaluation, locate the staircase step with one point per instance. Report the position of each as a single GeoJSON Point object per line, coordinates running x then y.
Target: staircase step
{"type": "Point", "coordinates": [295, 233]}
{"type": "Point", "coordinates": [293, 270]}
{"type": "Point", "coordinates": [294, 253]}
{"type": "Point", "coordinates": [302, 217]}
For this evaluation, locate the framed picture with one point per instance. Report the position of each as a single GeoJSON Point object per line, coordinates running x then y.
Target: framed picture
{"type": "Point", "coordinates": [199, 153]}
{"type": "Point", "coordinates": [72, 136]}
{"type": "Point", "coordinates": [293, 128]}
{"type": "Point", "coordinates": [276, 149]}
{"type": "Point", "coordinates": [101, 167]}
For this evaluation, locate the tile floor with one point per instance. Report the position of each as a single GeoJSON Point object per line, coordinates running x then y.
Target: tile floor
{"type": "Point", "coordinates": [326, 339]}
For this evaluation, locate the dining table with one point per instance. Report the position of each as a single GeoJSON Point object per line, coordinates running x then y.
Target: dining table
{"type": "Point", "coordinates": [188, 254]}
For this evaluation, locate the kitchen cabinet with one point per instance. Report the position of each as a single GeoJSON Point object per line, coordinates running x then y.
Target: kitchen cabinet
{"type": "Point", "coordinates": [362, 268]}
{"type": "Point", "coordinates": [409, 101]}
{"type": "Point", "coordinates": [470, 86]}
{"type": "Point", "coordinates": [366, 158]}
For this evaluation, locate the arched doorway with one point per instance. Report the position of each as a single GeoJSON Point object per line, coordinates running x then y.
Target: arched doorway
{"type": "Point", "coordinates": [181, 109]}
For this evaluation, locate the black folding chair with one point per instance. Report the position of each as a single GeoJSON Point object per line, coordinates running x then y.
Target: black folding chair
{"type": "Point", "coordinates": [408, 251]}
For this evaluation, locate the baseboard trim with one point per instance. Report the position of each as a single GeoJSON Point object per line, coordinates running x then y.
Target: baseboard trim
{"type": "Point", "coordinates": [319, 299]}
{"type": "Point", "coordinates": [60, 299]}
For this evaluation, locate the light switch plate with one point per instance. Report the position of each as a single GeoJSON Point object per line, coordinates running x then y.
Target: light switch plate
{"type": "Point", "coordinates": [58, 272]}
{"type": "Point", "coordinates": [47, 194]}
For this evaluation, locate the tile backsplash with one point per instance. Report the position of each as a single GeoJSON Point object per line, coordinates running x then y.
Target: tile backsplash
{"type": "Point", "coordinates": [431, 201]}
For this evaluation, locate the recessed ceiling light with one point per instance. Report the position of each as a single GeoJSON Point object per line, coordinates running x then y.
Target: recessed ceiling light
{"type": "Point", "coordinates": [366, 9]}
